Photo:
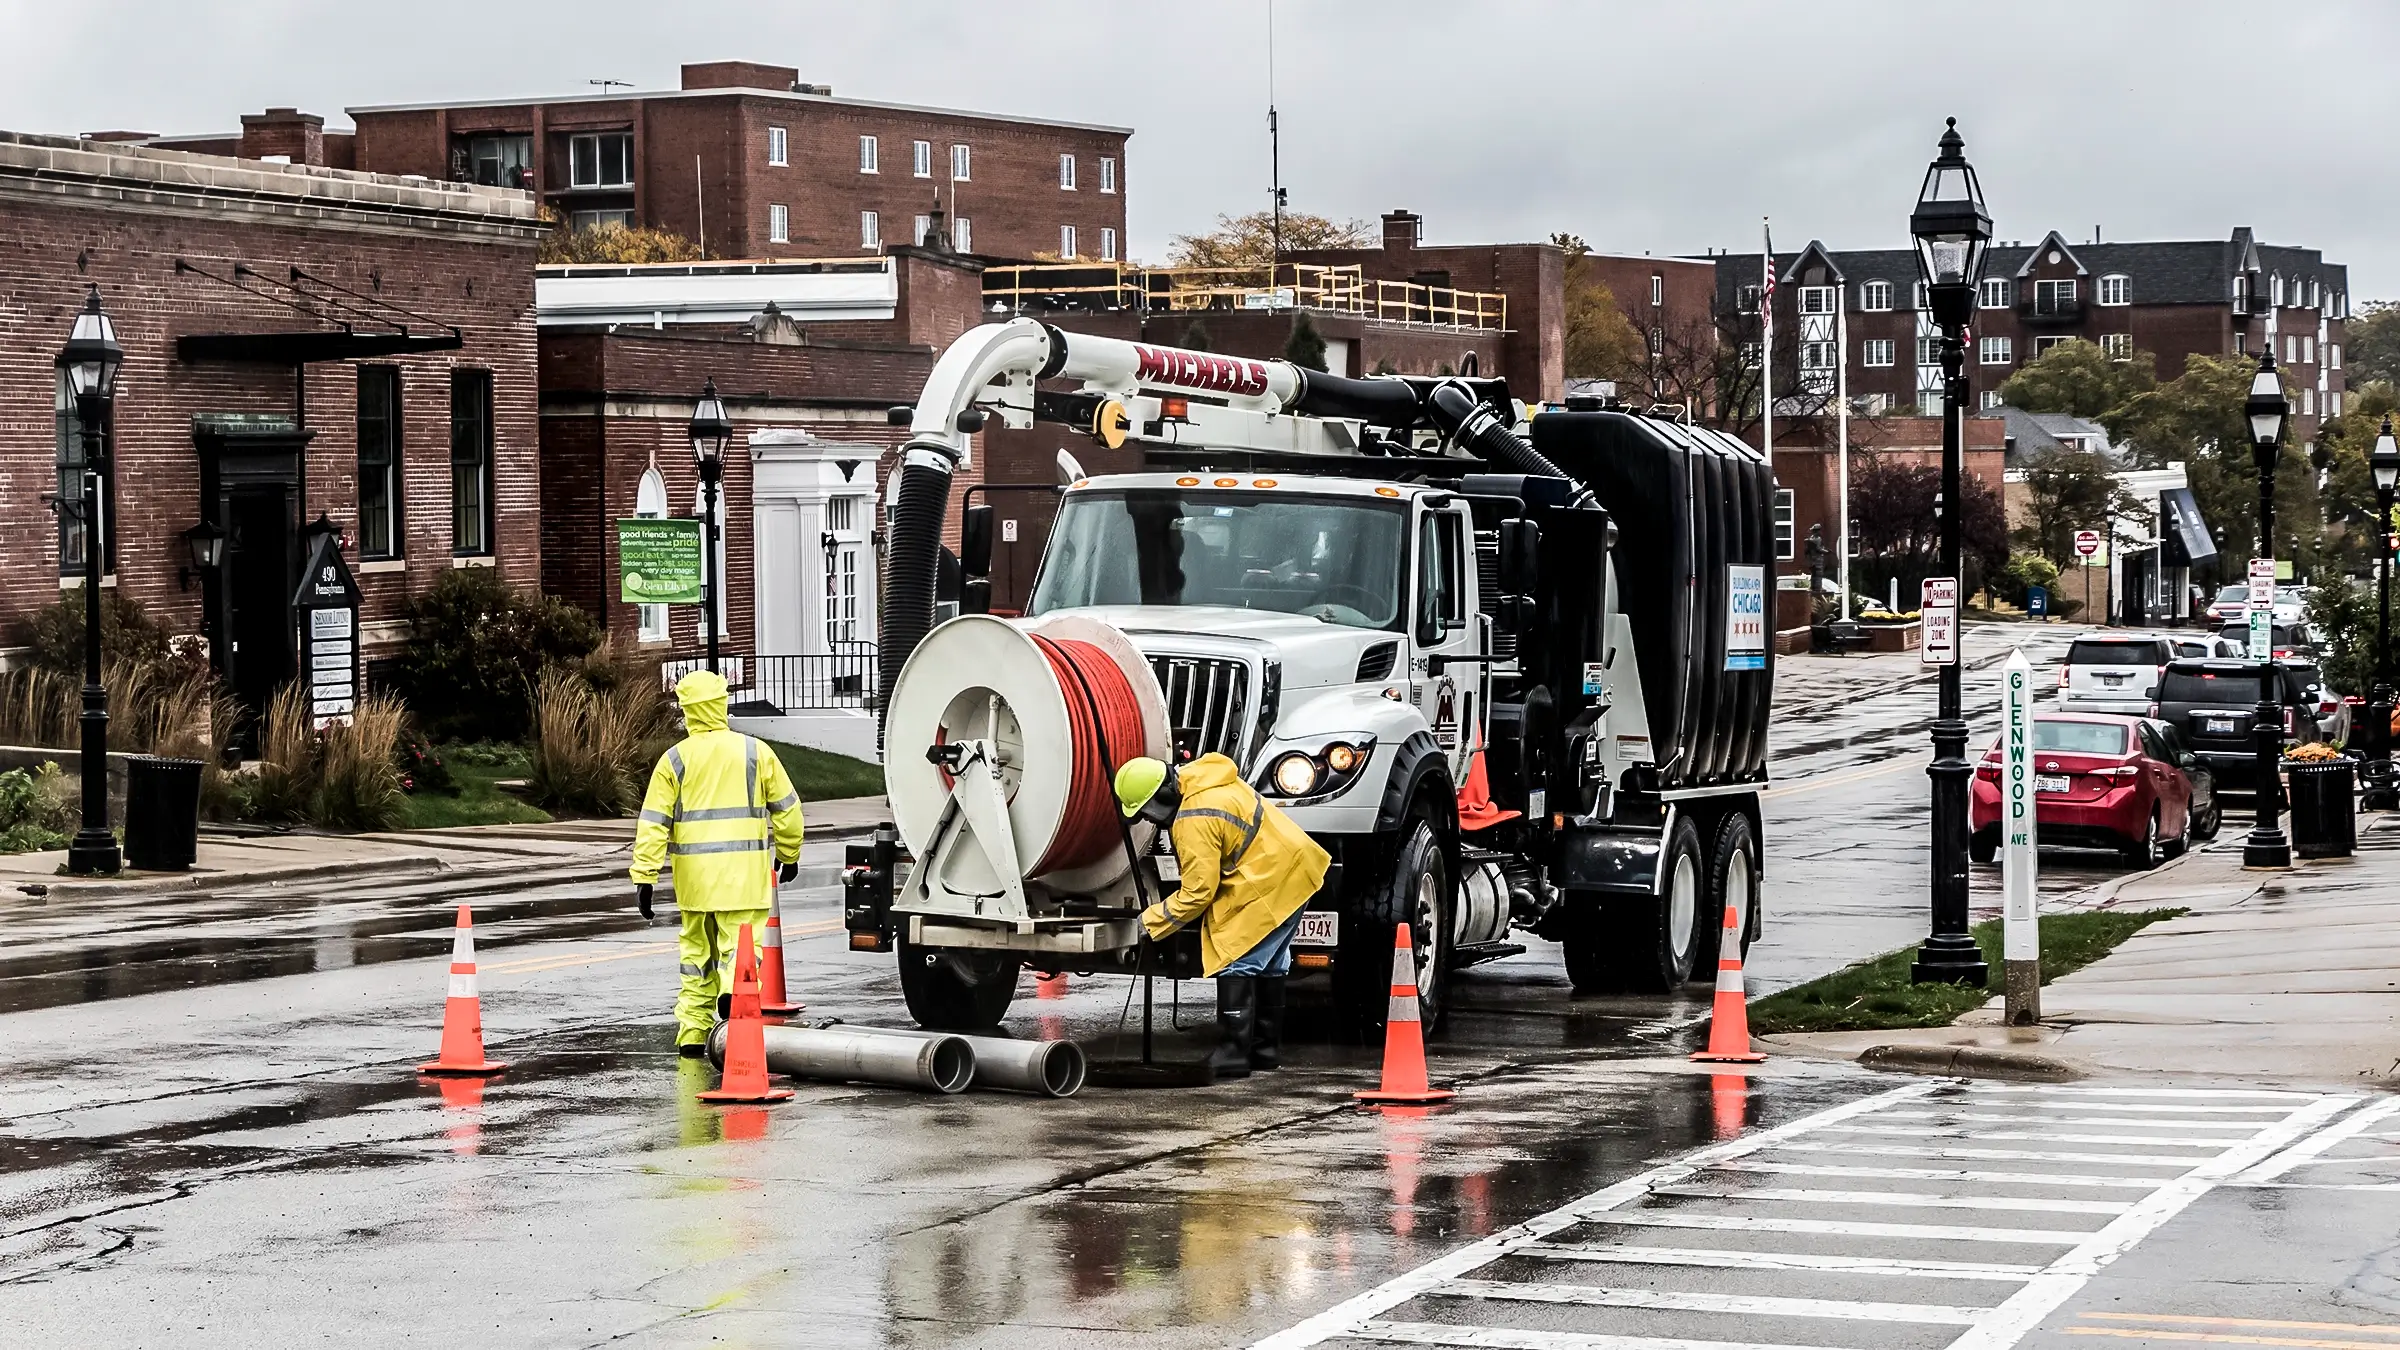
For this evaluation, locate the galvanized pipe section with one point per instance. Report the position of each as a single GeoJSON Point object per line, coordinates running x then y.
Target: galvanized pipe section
{"type": "Point", "coordinates": [1044, 1068]}
{"type": "Point", "coordinates": [934, 1063]}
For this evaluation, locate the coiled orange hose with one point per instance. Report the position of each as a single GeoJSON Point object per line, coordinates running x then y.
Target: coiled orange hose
{"type": "Point", "coordinates": [1104, 729]}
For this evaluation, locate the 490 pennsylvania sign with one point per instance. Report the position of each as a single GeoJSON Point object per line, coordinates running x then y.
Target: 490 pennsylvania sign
{"type": "Point", "coordinates": [658, 561]}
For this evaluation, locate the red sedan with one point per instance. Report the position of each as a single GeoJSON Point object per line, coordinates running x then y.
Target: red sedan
{"type": "Point", "coordinates": [2122, 783]}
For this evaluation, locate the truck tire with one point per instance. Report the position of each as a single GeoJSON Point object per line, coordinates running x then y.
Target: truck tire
{"type": "Point", "coordinates": [1732, 880]}
{"type": "Point", "coordinates": [1417, 889]}
{"type": "Point", "coordinates": [1654, 941]}
{"type": "Point", "coordinates": [955, 990]}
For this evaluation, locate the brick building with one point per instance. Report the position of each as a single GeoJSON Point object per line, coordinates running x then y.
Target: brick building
{"type": "Point", "coordinates": [1671, 304]}
{"type": "Point", "coordinates": [755, 164]}
{"type": "Point", "coordinates": [300, 342]}
{"type": "Point", "coordinates": [2173, 300]}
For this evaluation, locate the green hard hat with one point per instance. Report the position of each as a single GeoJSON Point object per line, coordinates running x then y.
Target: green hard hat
{"type": "Point", "coordinates": [1137, 782]}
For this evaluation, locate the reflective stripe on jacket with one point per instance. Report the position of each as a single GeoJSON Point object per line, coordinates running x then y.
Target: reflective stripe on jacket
{"type": "Point", "coordinates": [1246, 866]}
{"type": "Point", "coordinates": [722, 812]}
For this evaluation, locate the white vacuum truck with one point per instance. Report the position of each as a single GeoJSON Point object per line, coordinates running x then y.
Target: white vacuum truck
{"type": "Point", "coordinates": [1511, 682]}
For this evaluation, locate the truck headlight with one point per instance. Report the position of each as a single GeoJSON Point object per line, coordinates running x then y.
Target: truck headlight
{"type": "Point", "coordinates": [1295, 775]}
{"type": "Point", "coordinates": [1319, 773]}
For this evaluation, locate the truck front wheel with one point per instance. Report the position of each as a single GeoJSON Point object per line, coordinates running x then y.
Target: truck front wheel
{"type": "Point", "coordinates": [1417, 892]}
{"type": "Point", "coordinates": [949, 990]}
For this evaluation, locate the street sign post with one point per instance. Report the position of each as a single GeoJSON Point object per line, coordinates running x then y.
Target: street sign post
{"type": "Point", "coordinates": [2087, 543]}
{"type": "Point", "coordinates": [2020, 929]}
{"type": "Point", "coordinates": [327, 602]}
{"type": "Point", "coordinates": [1937, 617]}
{"type": "Point", "coordinates": [2262, 609]}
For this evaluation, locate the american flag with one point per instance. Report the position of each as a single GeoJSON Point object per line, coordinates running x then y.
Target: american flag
{"type": "Point", "coordinates": [1766, 294]}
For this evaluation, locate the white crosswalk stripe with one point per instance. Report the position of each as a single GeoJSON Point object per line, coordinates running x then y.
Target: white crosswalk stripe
{"type": "Point", "coordinates": [1826, 1199]}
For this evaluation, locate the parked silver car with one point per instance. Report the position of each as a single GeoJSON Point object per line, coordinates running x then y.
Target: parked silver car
{"type": "Point", "coordinates": [2113, 672]}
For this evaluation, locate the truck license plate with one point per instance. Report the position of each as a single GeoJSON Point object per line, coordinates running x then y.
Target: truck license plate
{"type": "Point", "coordinates": [2050, 783]}
{"type": "Point", "coordinates": [2220, 726]}
{"type": "Point", "coordinates": [1318, 928]}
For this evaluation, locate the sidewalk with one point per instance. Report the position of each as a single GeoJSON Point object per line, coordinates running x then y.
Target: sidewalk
{"type": "Point", "coordinates": [575, 847]}
{"type": "Point", "coordinates": [1811, 680]}
{"type": "Point", "coordinates": [2272, 976]}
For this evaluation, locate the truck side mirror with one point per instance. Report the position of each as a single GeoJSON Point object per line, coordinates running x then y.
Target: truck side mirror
{"type": "Point", "coordinates": [1514, 614]}
{"type": "Point", "coordinates": [975, 596]}
{"type": "Point", "coordinates": [975, 541]}
{"type": "Point", "coordinates": [1520, 557]}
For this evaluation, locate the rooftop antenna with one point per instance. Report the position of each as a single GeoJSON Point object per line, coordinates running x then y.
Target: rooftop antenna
{"type": "Point", "coordinates": [1274, 157]}
{"type": "Point", "coordinates": [606, 85]}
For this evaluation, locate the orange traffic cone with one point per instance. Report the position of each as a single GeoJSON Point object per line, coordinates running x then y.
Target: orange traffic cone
{"type": "Point", "coordinates": [772, 1001]}
{"type": "Point", "coordinates": [1475, 808]}
{"type": "Point", "coordinates": [1404, 1035]}
{"type": "Point", "coordinates": [462, 1014]}
{"type": "Point", "coordinates": [745, 1075]}
{"type": "Point", "coordinates": [1729, 1021]}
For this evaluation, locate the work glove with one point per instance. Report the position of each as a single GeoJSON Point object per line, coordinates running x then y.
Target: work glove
{"type": "Point", "coordinates": [788, 873]}
{"type": "Point", "coordinates": [641, 899]}
{"type": "Point", "coordinates": [1158, 923]}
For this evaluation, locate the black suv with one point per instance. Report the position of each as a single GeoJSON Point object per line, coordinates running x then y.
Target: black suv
{"type": "Point", "coordinates": [2210, 704]}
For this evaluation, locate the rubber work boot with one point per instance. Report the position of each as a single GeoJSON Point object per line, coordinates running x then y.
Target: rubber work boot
{"type": "Point", "coordinates": [1266, 1048]}
{"type": "Point", "coordinates": [693, 1049]}
{"type": "Point", "coordinates": [1237, 1010]}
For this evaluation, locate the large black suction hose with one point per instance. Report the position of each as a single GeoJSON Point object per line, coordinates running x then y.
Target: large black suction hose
{"type": "Point", "coordinates": [1471, 424]}
{"type": "Point", "coordinates": [911, 565]}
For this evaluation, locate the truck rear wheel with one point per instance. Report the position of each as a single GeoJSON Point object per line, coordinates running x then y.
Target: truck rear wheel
{"type": "Point", "coordinates": [948, 990]}
{"type": "Point", "coordinates": [1732, 880]}
{"type": "Point", "coordinates": [1417, 891]}
{"type": "Point", "coordinates": [1641, 943]}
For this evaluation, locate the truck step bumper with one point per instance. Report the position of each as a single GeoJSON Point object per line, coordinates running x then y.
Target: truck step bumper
{"type": "Point", "coordinates": [1065, 937]}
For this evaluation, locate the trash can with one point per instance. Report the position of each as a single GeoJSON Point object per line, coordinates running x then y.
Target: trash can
{"type": "Point", "coordinates": [2323, 825]}
{"type": "Point", "coordinates": [162, 812]}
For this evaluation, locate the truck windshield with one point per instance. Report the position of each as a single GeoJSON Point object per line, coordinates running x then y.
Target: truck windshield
{"type": "Point", "coordinates": [1338, 559]}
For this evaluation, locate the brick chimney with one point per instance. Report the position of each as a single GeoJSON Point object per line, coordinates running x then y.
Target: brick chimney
{"type": "Point", "coordinates": [739, 75]}
{"type": "Point", "coordinates": [297, 137]}
{"type": "Point", "coordinates": [1401, 230]}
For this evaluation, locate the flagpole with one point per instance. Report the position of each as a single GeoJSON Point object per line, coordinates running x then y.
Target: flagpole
{"type": "Point", "coordinates": [1766, 343]}
{"type": "Point", "coordinates": [1841, 394]}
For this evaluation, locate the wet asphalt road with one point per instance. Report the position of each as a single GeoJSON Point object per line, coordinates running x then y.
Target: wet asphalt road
{"type": "Point", "coordinates": [212, 1135]}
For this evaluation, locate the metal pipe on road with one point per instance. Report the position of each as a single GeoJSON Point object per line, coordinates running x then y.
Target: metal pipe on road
{"type": "Point", "coordinates": [935, 1063]}
{"type": "Point", "coordinates": [1044, 1068]}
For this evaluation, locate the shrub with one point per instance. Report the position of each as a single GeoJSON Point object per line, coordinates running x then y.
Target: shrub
{"type": "Point", "coordinates": [54, 634]}
{"type": "Point", "coordinates": [37, 809]}
{"type": "Point", "coordinates": [474, 643]}
{"type": "Point", "coordinates": [592, 746]}
{"type": "Point", "coordinates": [357, 782]}
{"type": "Point", "coordinates": [285, 782]}
{"type": "Point", "coordinates": [421, 767]}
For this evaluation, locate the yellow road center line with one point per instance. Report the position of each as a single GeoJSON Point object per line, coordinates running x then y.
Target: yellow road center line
{"type": "Point", "coordinates": [559, 960]}
{"type": "Point", "coordinates": [2161, 1334]}
{"type": "Point", "coordinates": [1837, 780]}
{"type": "Point", "coordinates": [2378, 1329]}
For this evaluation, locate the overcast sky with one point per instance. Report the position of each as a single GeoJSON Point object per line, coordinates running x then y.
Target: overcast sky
{"type": "Point", "coordinates": [1664, 127]}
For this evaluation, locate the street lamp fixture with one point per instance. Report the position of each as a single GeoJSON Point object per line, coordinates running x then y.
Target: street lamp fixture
{"type": "Point", "coordinates": [2267, 410]}
{"type": "Point", "coordinates": [2383, 790]}
{"type": "Point", "coordinates": [711, 432]}
{"type": "Point", "coordinates": [207, 544]}
{"type": "Point", "coordinates": [1952, 232]}
{"type": "Point", "coordinates": [90, 362]}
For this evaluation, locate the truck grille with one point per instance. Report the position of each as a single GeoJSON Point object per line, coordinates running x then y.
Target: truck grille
{"type": "Point", "coordinates": [1208, 703]}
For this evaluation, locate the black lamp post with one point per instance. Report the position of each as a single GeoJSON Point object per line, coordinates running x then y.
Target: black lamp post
{"type": "Point", "coordinates": [1952, 232]}
{"type": "Point", "coordinates": [90, 361]}
{"type": "Point", "coordinates": [712, 430]}
{"type": "Point", "coordinates": [2383, 793]}
{"type": "Point", "coordinates": [2267, 410]}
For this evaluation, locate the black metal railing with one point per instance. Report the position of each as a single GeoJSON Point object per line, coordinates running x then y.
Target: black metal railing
{"type": "Point", "coordinates": [804, 682]}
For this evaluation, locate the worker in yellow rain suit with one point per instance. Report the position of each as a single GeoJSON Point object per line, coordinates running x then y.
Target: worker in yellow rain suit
{"type": "Point", "coordinates": [1247, 873]}
{"type": "Point", "coordinates": [723, 812]}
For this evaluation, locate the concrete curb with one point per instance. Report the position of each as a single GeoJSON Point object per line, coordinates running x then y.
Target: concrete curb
{"type": "Point", "coordinates": [1969, 1061]}
{"type": "Point", "coordinates": [167, 883]}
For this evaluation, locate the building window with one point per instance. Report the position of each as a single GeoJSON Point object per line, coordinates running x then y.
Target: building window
{"type": "Point", "coordinates": [2291, 349]}
{"type": "Point", "coordinates": [1746, 299]}
{"type": "Point", "coordinates": [920, 159]}
{"type": "Point", "coordinates": [1658, 290]}
{"type": "Point", "coordinates": [1995, 293]}
{"type": "Point", "coordinates": [2054, 297]}
{"type": "Point", "coordinates": [592, 220]}
{"type": "Point", "coordinates": [1108, 244]}
{"type": "Point", "coordinates": [870, 230]}
{"type": "Point", "coordinates": [70, 488]}
{"type": "Point", "coordinates": [1783, 523]}
{"type": "Point", "coordinates": [497, 161]}
{"type": "Point", "coordinates": [779, 224]}
{"type": "Point", "coordinates": [1989, 400]}
{"type": "Point", "coordinates": [1108, 174]}
{"type": "Point", "coordinates": [962, 160]}
{"type": "Point", "coordinates": [1876, 352]}
{"type": "Point", "coordinates": [1813, 355]}
{"type": "Point", "coordinates": [650, 502]}
{"type": "Point", "coordinates": [1066, 173]}
{"type": "Point", "coordinates": [2308, 401]}
{"type": "Point", "coordinates": [778, 147]}
{"type": "Point", "coordinates": [2043, 344]}
{"type": "Point", "coordinates": [1929, 403]}
{"type": "Point", "coordinates": [2333, 356]}
{"type": "Point", "coordinates": [2241, 342]}
{"type": "Point", "coordinates": [867, 156]}
{"type": "Point", "coordinates": [1749, 356]}
{"type": "Point", "coordinates": [1066, 241]}
{"type": "Point", "coordinates": [1925, 352]}
{"type": "Point", "coordinates": [842, 550]}
{"type": "Point", "coordinates": [2333, 403]}
{"type": "Point", "coordinates": [379, 462]}
{"type": "Point", "coordinates": [2308, 348]}
{"type": "Point", "coordinates": [1817, 299]}
{"type": "Point", "coordinates": [2316, 294]}
{"type": "Point", "coordinates": [2117, 346]}
{"type": "Point", "coordinates": [2275, 289]}
{"type": "Point", "coordinates": [962, 235]}
{"type": "Point", "coordinates": [602, 160]}
{"type": "Point", "coordinates": [1875, 296]}
{"type": "Point", "coordinates": [471, 462]}
{"type": "Point", "coordinates": [2113, 291]}
{"type": "Point", "coordinates": [924, 230]}
{"type": "Point", "coordinates": [1995, 351]}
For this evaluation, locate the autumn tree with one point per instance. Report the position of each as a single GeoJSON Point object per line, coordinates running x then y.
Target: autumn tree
{"type": "Point", "coordinates": [1600, 342]}
{"type": "Point", "coordinates": [1249, 241]}
{"type": "Point", "coordinates": [2068, 490]}
{"type": "Point", "coordinates": [615, 244]}
{"type": "Point", "coordinates": [2078, 378]}
{"type": "Point", "coordinates": [2196, 419]}
{"type": "Point", "coordinates": [1306, 346]}
{"type": "Point", "coordinates": [1894, 515]}
{"type": "Point", "coordinates": [2372, 335]}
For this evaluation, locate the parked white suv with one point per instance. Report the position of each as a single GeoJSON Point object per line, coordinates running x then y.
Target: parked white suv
{"type": "Point", "coordinates": [2113, 673]}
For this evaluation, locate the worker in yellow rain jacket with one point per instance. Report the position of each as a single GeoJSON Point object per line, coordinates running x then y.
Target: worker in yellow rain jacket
{"type": "Point", "coordinates": [722, 811]}
{"type": "Point", "coordinates": [1247, 873]}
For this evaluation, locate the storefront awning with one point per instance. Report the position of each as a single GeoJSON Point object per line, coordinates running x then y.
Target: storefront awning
{"type": "Point", "coordinates": [2183, 535]}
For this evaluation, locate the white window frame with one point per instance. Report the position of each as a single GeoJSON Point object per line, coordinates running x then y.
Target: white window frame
{"type": "Point", "coordinates": [962, 163]}
{"type": "Point", "coordinates": [1108, 244]}
{"type": "Point", "coordinates": [598, 179]}
{"type": "Point", "coordinates": [1927, 353]}
{"type": "Point", "coordinates": [962, 235]}
{"type": "Point", "coordinates": [1818, 299]}
{"type": "Point", "coordinates": [1786, 526]}
{"type": "Point", "coordinates": [1995, 351]}
{"type": "Point", "coordinates": [2308, 401]}
{"type": "Point", "coordinates": [1918, 297]}
{"type": "Point", "coordinates": [1066, 241]}
{"type": "Point", "coordinates": [920, 158]}
{"type": "Point", "coordinates": [650, 503]}
{"type": "Point", "coordinates": [1873, 348]}
{"type": "Point", "coordinates": [1658, 290]}
{"type": "Point", "coordinates": [1108, 173]}
{"type": "Point", "coordinates": [2275, 289]}
{"type": "Point", "coordinates": [2117, 346]}
{"type": "Point", "coordinates": [2045, 343]}
{"type": "Point", "coordinates": [2308, 348]}
{"type": "Point", "coordinates": [779, 147]}
{"type": "Point", "coordinates": [1875, 297]}
{"type": "Point", "coordinates": [1813, 355]}
{"type": "Point", "coordinates": [870, 155]}
{"type": "Point", "coordinates": [924, 226]}
{"type": "Point", "coordinates": [2113, 290]}
{"type": "Point", "coordinates": [870, 230]}
{"type": "Point", "coordinates": [2062, 291]}
{"type": "Point", "coordinates": [779, 223]}
{"type": "Point", "coordinates": [1988, 400]}
{"type": "Point", "coordinates": [2333, 403]}
{"type": "Point", "coordinates": [1994, 294]}
{"type": "Point", "coordinates": [1066, 173]}
{"type": "Point", "coordinates": [2333, 356]}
